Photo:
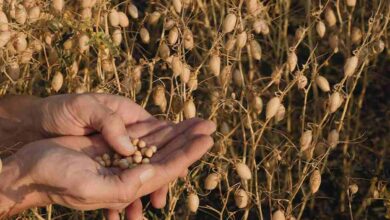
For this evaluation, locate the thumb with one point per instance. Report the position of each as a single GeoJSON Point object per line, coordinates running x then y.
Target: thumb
{"type": "Point", "coordinates": [111, 125]}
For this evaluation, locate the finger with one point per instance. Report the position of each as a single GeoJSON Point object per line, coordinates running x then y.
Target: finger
{"type": "Point", "coordinates": [167, 169]}
{"type": "Point", "coordinates": [113, 129]}
{"type": "Point", "coordinates": [201, 128]}
{"type": "Point", "coordinates": [142, 129]}
{"type": "Point", "coordinates": [159, 198]}
{"type": "Point", "coordinates": [112, 214]}
{"type": "Point", "coordinates": [130, 111]}
{"type": "Point", "coordinates": [161, 137]}
{"type": "Point", "coordinates": [95, 145]}
{"type": "Point", "coordinates": [134, 210]}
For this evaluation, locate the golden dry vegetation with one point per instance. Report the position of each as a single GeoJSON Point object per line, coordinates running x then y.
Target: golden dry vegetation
{"type": "Point", "coordinates": [298, 90]}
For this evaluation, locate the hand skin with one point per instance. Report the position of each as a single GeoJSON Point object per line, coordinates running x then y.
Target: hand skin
{"type": "Point", "coordinates": [27, 118]}
{"type": "Point", "coordinates": [62, 170]}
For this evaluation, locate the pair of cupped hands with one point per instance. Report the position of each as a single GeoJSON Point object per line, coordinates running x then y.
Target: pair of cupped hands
{"type": "Point", "coordinates": [69, 131]}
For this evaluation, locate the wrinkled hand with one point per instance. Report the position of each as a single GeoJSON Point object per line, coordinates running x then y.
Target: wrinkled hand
{"type": "Point", "coordinates": [62, 170]}
{"type": "Point", "coordinates": [84, 114]}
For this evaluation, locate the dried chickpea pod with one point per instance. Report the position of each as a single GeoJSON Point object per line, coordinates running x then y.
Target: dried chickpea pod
{"type": "Point", "coordinates": [133, 11]}
{"type": "Point", "coordinates": [80, 89]}
{"type": "Point", "coordinates": [272, 107]}
{"type": "Point", "coordinates": [230, 44]}
{"type": "Point", "coordinates": [211, 181]}
{"type": "Point", "coordinates": [192, 202]}
{"type": "Point", "coordinates": [185, 74]}
{"type": "Point", "coordinates": [57, 81]}
{"type": "Point", "coordinates": [256, 103]}
{"type": "Point", "coordinates": [300, 33]}
{"type": "Point", "coordinates": [333, 138]}
{"type": "Point", "coordinates": [350, 66]}
{"type": "Point", "coordinates": [278, 215]}
{"type": "Point", "coordinates": [229, 23]}
{"type": "Point", "coordinates": [305, 140]}
{"type": "Point", "coordinates": [251, 6]}
{"type": "Point", "coordinates": [83, 43]}
{"type": "Point", "coordinates": [225, 128]}
{"type": "Point", "coordinates": [241, 39]}
{"type": "Point", "coordinates": [20, 42]}
{"type": "Point", "coordinates": [243, 171]}
{"type": "Point", "coordinates": [315, 181]}
{"type": "Point", "coordinates": [113, 18]}
{"type": "Point", "coordinates": [353, 189]}
{"type": "Point", "coordinates": [378, 47]}
{"type": "Point", "coordinates": [158, 99]}
{"type": "Point", "coordinates": [215, 64]}
{"type": "Point", "coordinates": [335, 101]}
{"type": "Point", "coordinates": [302, 81]}
{"type": "Point", "coordinates": [144, 34]}
{"type": "Point", "coordinates": [177, 5]}
{"type": "Point", "coordinates": [255, 50]}
{"type": "Point", "coordinates": [20, 14]}
{"type": "Point", "coordinates": [334, 42]}
{"type": "Point", "coordinates": [257, 26]}
{"type": "Point", "coordinates": [280, 113]}
{"type": "Point", "coordinates": [188, 39]}
{"type": "Point", "coordinates": [189, 109]}
{"type": "Point", "coordinates": [58, 5]}
{"type": "Point", "coordinates": [117, 37]}
{"type": "Point", "coordinates": [177, 66]}
{"type": "Point", "coordinates": [3, 21]}
{"type": "Point", "coordinates": [238, 78]}
{"type": "Point", "coordinates": [173, 36]}
{"type": "Point", "coordinates": [13, 70]}
{"type": "Point", "coordinates": [241, 198]}
{"type": "Point", "coordinates": [322, 83]}
{"type": "Point", "coordinates": [164, 51]}
{"type": "Point", "coordinates": [292, 60]}
{"type": "Point", "coordinates": [321, 29]}
{"type": "Point", "coordinates": [123, 19]}
{"type": "Point", "coordinates": [33, 14]}
{"type": "Point", "coordinates": [330, 17]}
{"type": "Point", "coordinates": [351, 3]}
{"type": "Point", "coordinates": [356, 35]}
{"type": "Point", "coordinates": [154, 17]}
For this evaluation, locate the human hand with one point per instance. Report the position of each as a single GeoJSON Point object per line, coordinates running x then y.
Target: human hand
{"type": "Point", "coordinates": [75, 114]}
{"type": "Point", "coordinates": [83, 183]}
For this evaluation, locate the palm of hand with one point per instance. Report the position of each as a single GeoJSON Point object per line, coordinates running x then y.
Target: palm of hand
{"type": "Point", "coordinates": [64, 167]}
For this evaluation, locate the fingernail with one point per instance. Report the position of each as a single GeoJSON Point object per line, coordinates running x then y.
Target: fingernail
{"type": "Point", "coordinates": [126, 143]}
{"type": "Point", "coordinates": [147, 175]}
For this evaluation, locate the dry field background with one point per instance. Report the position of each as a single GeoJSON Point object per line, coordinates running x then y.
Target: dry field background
{"type": "Point", "coordinates": [299, 91]}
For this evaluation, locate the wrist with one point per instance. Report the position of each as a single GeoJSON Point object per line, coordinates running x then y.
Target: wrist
{"type": "Point", "coordinates": [17, 191]}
